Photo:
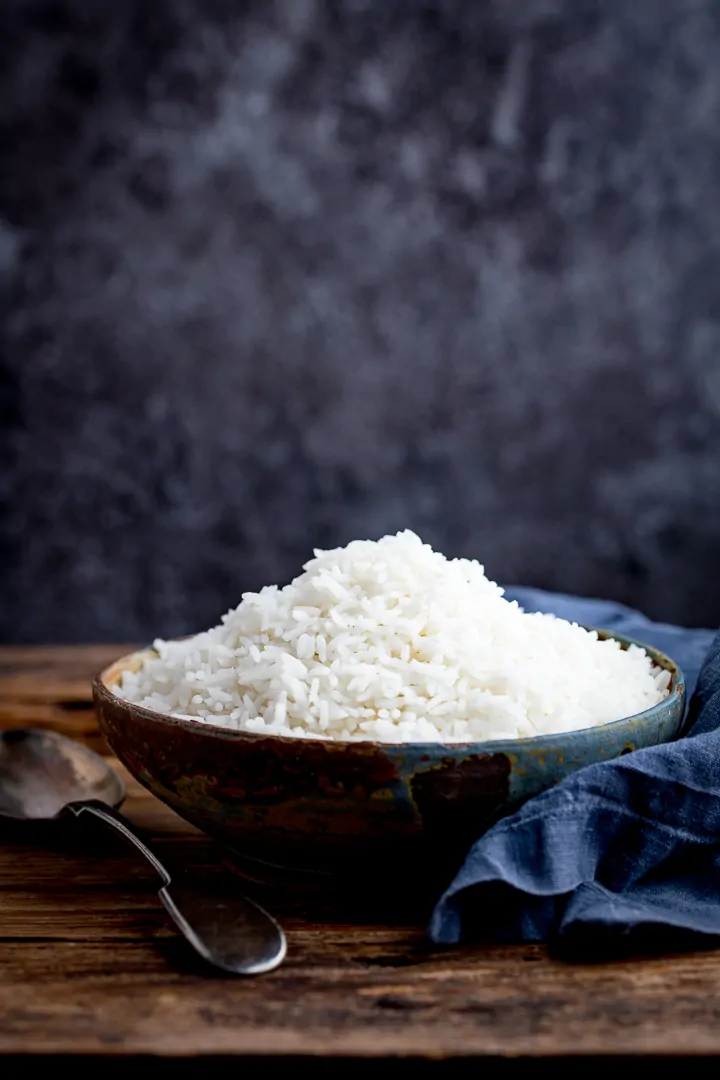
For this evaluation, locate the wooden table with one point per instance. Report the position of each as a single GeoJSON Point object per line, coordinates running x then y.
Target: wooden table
{"type": "Point", "coordinates": [89, 963]}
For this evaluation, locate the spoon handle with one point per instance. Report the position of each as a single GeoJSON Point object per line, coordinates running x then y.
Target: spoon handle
{"type": "Point", "coordinates": [120, 824]}
{"type": "Point", "coordinates": [227, 930]}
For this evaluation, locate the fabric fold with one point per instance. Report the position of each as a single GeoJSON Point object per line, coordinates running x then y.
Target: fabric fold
{"type": "Point", "coordinates": [618, 847]}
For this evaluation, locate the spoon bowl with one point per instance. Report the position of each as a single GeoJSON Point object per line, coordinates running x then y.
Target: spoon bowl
{"type": "Point", "coordinates": [41, 773]}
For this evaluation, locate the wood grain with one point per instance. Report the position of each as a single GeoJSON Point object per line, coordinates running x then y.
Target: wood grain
{"type": "Point", "coordinates": [89, 963]}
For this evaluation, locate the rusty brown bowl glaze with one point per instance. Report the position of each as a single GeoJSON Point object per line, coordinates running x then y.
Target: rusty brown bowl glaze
{"type": "Point", "coordinates": [354, 807]}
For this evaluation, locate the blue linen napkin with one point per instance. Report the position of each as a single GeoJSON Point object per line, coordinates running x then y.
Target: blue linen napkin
{"type": "Point", "coordinates": [620, 853]}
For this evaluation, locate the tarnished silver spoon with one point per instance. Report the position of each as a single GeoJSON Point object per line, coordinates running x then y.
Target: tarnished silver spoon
{"type": "Point", "coordinates": [44, 776]}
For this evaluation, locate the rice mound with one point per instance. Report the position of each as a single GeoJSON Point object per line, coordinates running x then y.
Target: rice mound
{"type": "Point", "coordinates": [388, 640]}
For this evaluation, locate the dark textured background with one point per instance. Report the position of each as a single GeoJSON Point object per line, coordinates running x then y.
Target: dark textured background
{"type": "Point", "coordinates": [282, 274]}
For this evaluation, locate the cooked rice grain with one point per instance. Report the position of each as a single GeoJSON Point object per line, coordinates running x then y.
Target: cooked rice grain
{"type": "Point", "coordinates": [390, 641]}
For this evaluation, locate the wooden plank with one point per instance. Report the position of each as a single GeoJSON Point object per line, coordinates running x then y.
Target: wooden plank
{"type": "Point", "coordinates": [89, 963]}
{"type": "Point", "coordinates": [140, 997]}
{"type": "Point", "coordinates": [51, 688]}
{"type": "Point", "coordinates": [57, 674]}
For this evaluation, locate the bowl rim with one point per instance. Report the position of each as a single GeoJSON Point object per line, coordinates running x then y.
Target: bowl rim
{"type": "Point", "coordinates": [104, 690]}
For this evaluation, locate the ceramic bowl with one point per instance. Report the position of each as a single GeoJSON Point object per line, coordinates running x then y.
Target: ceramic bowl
{"type": "Point", "coordinates": [355, 807]}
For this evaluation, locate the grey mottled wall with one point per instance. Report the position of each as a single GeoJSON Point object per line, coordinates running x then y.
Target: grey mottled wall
{"type": "Point", "coordinates": [283, 274]}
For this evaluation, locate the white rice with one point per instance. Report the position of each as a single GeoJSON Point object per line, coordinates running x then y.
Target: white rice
{"type": "Point", "coordinates": [390, 641]}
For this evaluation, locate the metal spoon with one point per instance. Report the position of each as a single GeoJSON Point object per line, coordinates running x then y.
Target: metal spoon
{"type": "Point", "coordinates": [44, 776]}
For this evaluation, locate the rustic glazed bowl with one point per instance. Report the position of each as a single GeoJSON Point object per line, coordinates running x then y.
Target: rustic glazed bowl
{"type": "Point", "coordinates": [354, 807]}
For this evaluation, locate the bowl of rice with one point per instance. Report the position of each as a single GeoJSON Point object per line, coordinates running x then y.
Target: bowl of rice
{"type": "Point", "coordinates": [380, 711]}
